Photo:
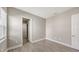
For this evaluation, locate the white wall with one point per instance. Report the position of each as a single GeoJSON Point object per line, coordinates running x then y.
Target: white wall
{"type": "Point", "coordinates": [3, 28]}
{"type": "Point", "coordinates": [59, 27]}
{"type": "Point", "coordinates": [15, 26]}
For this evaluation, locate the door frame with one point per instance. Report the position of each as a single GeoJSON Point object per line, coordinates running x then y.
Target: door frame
{"type": "Point", "coordinates": [29, 29]}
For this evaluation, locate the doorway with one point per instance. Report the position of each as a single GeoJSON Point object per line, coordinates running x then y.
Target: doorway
{"type": "Point", "coordinates": [25, 25]}
{"type": "Point", "coordinates": [75, 31]}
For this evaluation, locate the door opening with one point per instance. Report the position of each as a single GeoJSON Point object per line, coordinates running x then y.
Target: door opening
{"type": "Point", "coordinates": [25, 28]}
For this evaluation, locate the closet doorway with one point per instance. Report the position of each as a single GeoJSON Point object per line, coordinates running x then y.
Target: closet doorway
{"type": "Point", "coordinates": [25, 25]}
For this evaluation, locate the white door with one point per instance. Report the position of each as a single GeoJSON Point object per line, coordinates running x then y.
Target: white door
{"type": "Point", "coordinates": [75, 31]}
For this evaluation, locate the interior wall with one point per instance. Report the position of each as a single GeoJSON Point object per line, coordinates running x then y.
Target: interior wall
{"type": "Point", "coordinates": [59, 27]}
{"type": "Point", "coordinates": [3, 28]}
{"type": "Point", "coordinates": [15, 26]}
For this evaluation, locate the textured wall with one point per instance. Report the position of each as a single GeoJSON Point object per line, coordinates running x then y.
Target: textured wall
{"type": "Point", "coordinates": [15, 26]}
{"type": "Point", "coordinates": [59, 27]}
{"type": "Point", "coordinates": [3, 28]}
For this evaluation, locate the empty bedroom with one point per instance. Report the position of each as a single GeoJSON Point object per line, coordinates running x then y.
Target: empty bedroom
{"type": "Point", "coordinates": [39, 29]}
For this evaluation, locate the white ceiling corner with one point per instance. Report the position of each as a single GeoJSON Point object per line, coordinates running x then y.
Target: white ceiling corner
{"type": "Point", "coordinates": [44, 12]}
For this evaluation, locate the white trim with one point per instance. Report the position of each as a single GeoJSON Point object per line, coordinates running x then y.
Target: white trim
{"type": "Point", "coordinates": [61, 43]}
{"type": "Point", "coordinates": [30, 29]}
{"type": "Point", "coordinates": [37, 40]}
{"type": "Point", "coordinates": [14, 47]}
{"type": "Point", "coordinates": [21, 44]}
{"type": "Point", "coordinates": [2, 40]}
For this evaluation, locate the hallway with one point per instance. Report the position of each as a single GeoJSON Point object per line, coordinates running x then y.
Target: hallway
{"type": "Point", "coordinates": [44, 46]}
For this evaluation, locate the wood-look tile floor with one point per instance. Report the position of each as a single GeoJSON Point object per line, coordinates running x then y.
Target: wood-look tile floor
{"type": "Point", "coordinates": [44, 46]}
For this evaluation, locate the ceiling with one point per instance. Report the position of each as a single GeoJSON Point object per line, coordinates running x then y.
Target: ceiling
{"type": "Point", "coordinates": [44, 12]}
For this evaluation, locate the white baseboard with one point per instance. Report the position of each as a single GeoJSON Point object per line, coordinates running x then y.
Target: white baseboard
{"type": "Point", "coordinates": [2, 40]}
{"type": "Point", "coordinates": [14, 47]}
{"type": "Point", "coordinates": [37, 40]}
{"type": "Point", "coordinates": [21, 44]}
{"type": "Point", "coordinates": [61, 43]}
